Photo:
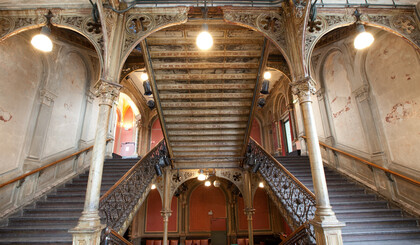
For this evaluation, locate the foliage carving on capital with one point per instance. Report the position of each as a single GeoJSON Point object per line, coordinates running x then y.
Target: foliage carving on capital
{"type": "Point", "coordinates": [271, 23]}
{"type": "Point", "coordinates": [304, 89]}
{"type": "Point", "coordinates": [108, 92]}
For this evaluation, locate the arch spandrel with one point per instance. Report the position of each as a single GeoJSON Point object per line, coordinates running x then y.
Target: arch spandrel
{"type": "Point", "coordinates": [142, 22]}
{"type": "Point", "coordinates": [80, 21]}
{"type": "Point", "coordinates": [178, 177]}
{"type": "Point", "coordinates": [402, 22]}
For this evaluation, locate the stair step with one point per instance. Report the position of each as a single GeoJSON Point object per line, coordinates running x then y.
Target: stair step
{"type": "Point", "coordinates": [379, 222]}
{"type": "Point", "coordinates": [55, 231]}
{"type": "Point", "coordinates": [381, 234]}
{"type": "Point", "coordinates": [367, 213]}
{"type": "Point", "coordinates": [48, 221]}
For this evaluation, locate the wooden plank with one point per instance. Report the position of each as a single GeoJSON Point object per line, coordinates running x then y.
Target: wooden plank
{"type": "Point", "coordinates": [205, 104]}
{"type": "Point", "coordinates": [191, 41]}
{"type": "Point", "coordinates": [206, 96]}
{"type": "Point", "coordinates": [207, 149]}
{"type": "Point", "coordinates": [206, 138]}
{"type": "Point", "coordinates": [205, 112]}
{"type": "Point", "coordinates": [205, 154]}
{"type": "Point", "coordinates": [187, 77]}
{"type": "Point", "coordinates": [207, 132]}
{"type": "Point", "coordinates": [207, 143]}
{"type": "Point", "coordinates": [204, 86]}
{"type": "Point", "coordinates": [179, 66]}
{"type": "Point", "coordinates": [206, 126]}
{"type": "Point", "coordinates": [204, 119]}
{"type": "Point", "coordinates": [226, 163]}
{"type": "Point", "coordinates": [204, 54]}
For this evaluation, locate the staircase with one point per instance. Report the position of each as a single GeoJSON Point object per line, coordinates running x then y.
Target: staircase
{"type": "Point", "coordinates": [369, 219]}
{"type": "Point", "coordinates": [48, 220]}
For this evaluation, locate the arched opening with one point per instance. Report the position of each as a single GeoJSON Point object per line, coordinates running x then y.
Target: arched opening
{"type": "Point", "coordinates": [126, 130]}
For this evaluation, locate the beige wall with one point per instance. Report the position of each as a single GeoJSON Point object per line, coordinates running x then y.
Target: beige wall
{"type": "Point", "coordinates": [47, 112]}
{"type": "Point", "coordinates": [368, 101]}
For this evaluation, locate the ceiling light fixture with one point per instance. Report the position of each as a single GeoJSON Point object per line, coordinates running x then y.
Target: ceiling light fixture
{"type": "Point", "coordinates": [42, 41]}
{"type": "Point", "coordinates": [207, 183]}
{"type": "Point", "coordinates": [363, 39]}
{"type": "Point", "coordinates": [204, 39]}
{"type": "Point", "coordinates": [261, 185]}
{"type": "Point", "coordinates": [267, 75]}
{"type": "Point", "coordinates": [201, 176]}
{"type": "Point", "coordinates": [153, 187]}
{"type": "Point", "coordinates": [144, 76]}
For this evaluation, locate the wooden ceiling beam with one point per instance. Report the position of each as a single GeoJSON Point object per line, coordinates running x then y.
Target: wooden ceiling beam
{"type": "Point", "coordinates": [205, 119]}
{"type": "Point", "coordinates": [202, 54]}
{"type": "Point", "coordinates": [204, 65]}
{"type": "Point", "coordinates": [206, 143]}
{"type": "Point", "coordinates": [186, 77]}
{"type": "Point", "coordinates": [203, 86]}
{"type": "Point", "coordinates": [207, 132]}
{"type": "Point", "coordinates": [206, 112]}
{"type": "Point", "coordinates": [207, 138]}
{"type": "Point", "coordinates": [206, 104]}
{"type": "Point", "coordinates": [207, 96]}
{"type": "Point", "coordinates": [206, 126]}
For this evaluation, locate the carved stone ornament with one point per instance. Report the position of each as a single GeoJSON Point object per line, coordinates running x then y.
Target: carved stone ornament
{"type": "Point", "coordinates": [143, 22]}
{"type": "Point", "coordinates": [181, 176]}
{"type": "Point", "coordinates": [47, 98]}
{"type": "Point", "coordinates": [270, 22]}
{"type": "Point", "coordinates": [13, 22]}
{"type": "Point", "coordinates": [362, 93]}
{"type": "Point", "coordinates": [108, 92]}
{"type": "Point", "coordinates": [304, 89]}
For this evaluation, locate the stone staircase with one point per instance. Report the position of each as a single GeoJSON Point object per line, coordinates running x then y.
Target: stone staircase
{"type": "Point", "coordinates": [48, 220]}
{"type": "Point", "coordinates": [369, 219]}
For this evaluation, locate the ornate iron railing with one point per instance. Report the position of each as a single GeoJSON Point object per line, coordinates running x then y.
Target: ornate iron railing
{"type": "Point", "coordinates": [113, 238]}
{"type": "Point", "coordinates": [297, 199]}
{"type": "Point", "coordinates": [301, 236]}
{"type": "Point", "coordinates": [117, 204]}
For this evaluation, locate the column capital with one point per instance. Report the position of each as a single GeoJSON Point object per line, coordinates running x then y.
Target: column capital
{"type": "Point", "coordinates": [108, 92]}
{"type": "Point", "coordinates": [304, 88]}
{"type": "Point", "coordinates": [166, 214]}
{"type": "Point", "coordinates": [47, 97]}
{"type": "Point", "coordinates": [362, 93]}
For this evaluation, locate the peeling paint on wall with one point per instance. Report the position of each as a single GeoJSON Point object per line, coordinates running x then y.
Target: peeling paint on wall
{"type": "Point", "coordinates": [402, 111]}
{"type": "Point", "coordinates": [346, 107]}
{"type": "Point", "coordinates": [5, 116]}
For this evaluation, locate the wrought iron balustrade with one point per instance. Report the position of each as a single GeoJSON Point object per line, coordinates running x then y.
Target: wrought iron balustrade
{"type": "Point", "coordinates": [297, 199]}
{"type": "Point", "coordinates": [118, 203]}
{"type": "Point", "coordinates": [113, 238]}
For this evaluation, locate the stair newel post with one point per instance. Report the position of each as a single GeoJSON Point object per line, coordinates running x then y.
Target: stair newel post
{"type": "Point", "coordinates": [89, 228]}
{"type": "Point", "coordinates": [166, 210]}
{"type": "Point", "coordinates": [327, 227]}
{"type": "Point", "coordinates": [249, 210]}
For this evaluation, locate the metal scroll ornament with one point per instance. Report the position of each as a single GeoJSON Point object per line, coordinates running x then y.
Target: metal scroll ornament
{"type": "Point", "coordinates": [297, 200]}
{"type": "Point", "coordinates": [117, 204]}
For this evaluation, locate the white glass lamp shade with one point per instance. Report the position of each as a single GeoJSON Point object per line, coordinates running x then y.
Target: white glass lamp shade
{"type": "Point", "coordinates": [207, 183]}
{"type": "Point", "coordinates": [42, 41]}
{"type": "Point", "coordinates": [204, 40]}
{"type": "Point", "coordinates": [267, 75]}
{"type": "Point", "coordinates": [363, 39]}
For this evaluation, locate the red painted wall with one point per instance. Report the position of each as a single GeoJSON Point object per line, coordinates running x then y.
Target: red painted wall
{"type": "Point", "coordinates": [261, 218]}
{"type": "Point", "coordinates": [157, 134]}
{"type": "Point", "coordinates": [127, 135]}
{"type": "Point", "coordinates": [256, 131]}
{"type": "Point", "coordinates": [154, 220]}
{"type": "Point", "coordinates": [202, 200]}
{"type": "Point", "coordinates": [117, 133]}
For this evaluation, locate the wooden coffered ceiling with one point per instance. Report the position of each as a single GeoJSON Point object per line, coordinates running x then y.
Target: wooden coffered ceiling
{"type": "Point", "coordinates": [206, 99]}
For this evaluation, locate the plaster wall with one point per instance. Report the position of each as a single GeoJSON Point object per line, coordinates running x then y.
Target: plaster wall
{"type": "Point", "coordinates": [317, 115]}
{"type": "Point", "coordinates": [393, 70]}
{"type": "Point", "coordinates": [343, 108]}
{"type": "Point", "coordinates": [21, 75]}
{"type": "Point", "coordinates": [67, 111]}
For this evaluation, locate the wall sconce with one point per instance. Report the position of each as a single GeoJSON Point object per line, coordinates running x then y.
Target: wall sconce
{"type": "Point", "coordinates": [216, 183]}
{"type": "Point", "coordinates": [261, 102]}
{"type": "Point", "coordinates": [147, 88]}
{"type": "Point", "coordinates": [153, 187]}
{"type": "Point", "coordinates": [261, 185]}
{"type": "Point", "coordinates": [207, 183]}
{"type": "Point", "coordinates": [158, 170]}
{"type": "Point", "coordinates": [151, 104]}
{"type": "Point", "coordinates": [265, 87]}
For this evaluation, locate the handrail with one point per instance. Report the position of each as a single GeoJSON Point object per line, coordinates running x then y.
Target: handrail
{"type": "Point", "coordinates": [46, 166]}
{"type": "Point", "coordinates": [286, 171]}
{"type": "Point", "coordinates": [117, 205]}
{"type": "Point", "coordinates": [296, 199]}
{"type": "Point", "coordinates": [132, 169]}
{"type": "Point", "coordinates": [110, 234]}
{"type": "Point", "coordinates": [297, 232]}
{"type": "Point", "coordinates": [368, 163]}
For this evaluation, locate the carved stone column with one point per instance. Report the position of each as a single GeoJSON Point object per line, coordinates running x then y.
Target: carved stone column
{"type": "Point", "coordinates": [111, 131]}
{"type": "Point", "coordinates": [87, 119]}
{"type": "Point", "coordinates": [166, 207]}
{"type": "Point", "coordinates": [249, 210]}
{"type": "Point", "coordinates": [327, 227]}
{"type": "Point", "coordinates": [88, 230]}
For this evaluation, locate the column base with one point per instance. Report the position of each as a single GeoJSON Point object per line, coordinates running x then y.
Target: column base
{"type": "Point", "coordinates": [88, 230]}
{"type": "Point", "coordinates": [328, 231]}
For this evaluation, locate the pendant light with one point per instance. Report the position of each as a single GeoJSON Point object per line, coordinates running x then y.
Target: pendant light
{"type": "Point", "coordinates": [42, 41]}
{"type": "Point", "coordinates": [204, 39]}
{"type": "Point", "coordinates": [363, 39]}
